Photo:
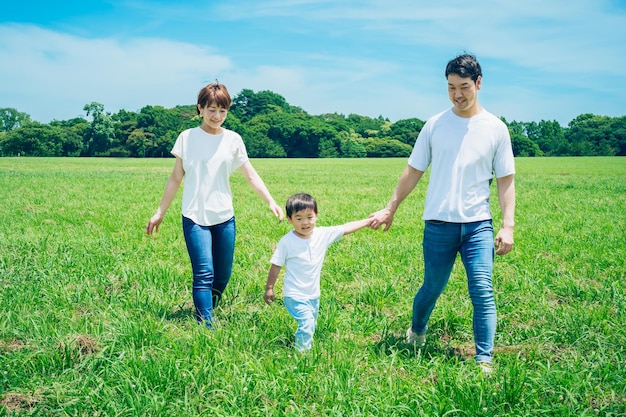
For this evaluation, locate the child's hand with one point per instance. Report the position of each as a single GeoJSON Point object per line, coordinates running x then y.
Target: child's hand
{"type": "Point", "coordinates": [269, 296]}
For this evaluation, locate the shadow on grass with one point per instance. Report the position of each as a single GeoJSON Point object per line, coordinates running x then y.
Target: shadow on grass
{"type": "Point", "coordinates": [391, 344]}
{"type": "Point", "coordinates": [180, 314]}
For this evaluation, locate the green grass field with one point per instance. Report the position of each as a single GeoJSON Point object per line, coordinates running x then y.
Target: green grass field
{"type": "Point", "coordinates": [95, 316]}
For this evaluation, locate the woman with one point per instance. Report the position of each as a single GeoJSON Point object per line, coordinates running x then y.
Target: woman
{"type": "Point", "coordinates": [206, 156]}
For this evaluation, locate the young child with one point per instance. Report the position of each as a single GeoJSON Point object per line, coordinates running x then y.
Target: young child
{"type": "Point", "coordinates": [302, 252]}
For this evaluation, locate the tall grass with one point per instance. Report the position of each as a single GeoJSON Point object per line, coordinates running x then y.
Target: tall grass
{"type": "Point", "coordinates": [96, 316]}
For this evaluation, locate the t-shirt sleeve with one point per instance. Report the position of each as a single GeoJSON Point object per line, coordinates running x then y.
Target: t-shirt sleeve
{"type": "Point", "coordinates": [421, 154]}
{"type": "Point", "coordinates": [240, 153]}
{"type": "Point", "coordinates": [280, 254]}
{"type": "Point", "coordinates": [177, 150]}
{"type": "Point", "coordinates": [504, 161]}
{"type": "Point", "coordinates": [333, 234]}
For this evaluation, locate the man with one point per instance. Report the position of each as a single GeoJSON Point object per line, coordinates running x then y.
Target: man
{"type": "Point", "coordinates": [465, 147]}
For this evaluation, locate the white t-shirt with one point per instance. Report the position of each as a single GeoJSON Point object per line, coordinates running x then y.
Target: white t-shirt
{"type": "Point", "coordinates": [208, 161]}
{"type": "Point", "coordinates": [464, 154]}
{"type": "Point", "coordinates": [303, 259]}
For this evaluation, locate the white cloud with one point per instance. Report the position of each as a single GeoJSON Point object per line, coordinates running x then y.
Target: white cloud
{"type": "Point", "coordinates": [576, 37]}
{"type": "Point", "coordinates": [54, 70]}
{"type": "Point", "coordinates": [541, 60]}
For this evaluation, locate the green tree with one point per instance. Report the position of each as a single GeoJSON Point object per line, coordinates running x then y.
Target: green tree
{"type": "Point", "coordinates": [11, 119]}
{"type": "Point", "coordinates": [125, 124]}
{"type": "Point", "coordinates": [159, 121]}
{"type": "Point", "coordinates": [140, 143]}
{"type": "Point", "coordinates": [74, 131]}
{"type": "Point", "coordinates": [337, 121]}
{"type": "Point", "coordinates": [385, 148]}
{"type": "Point", "coordinates": [258, 143]}
{"type": "Point", "coordinates": [618, 127]}
{"type": "Point", "coordinates": [365, 126]}
{"type": "Point", "coordinates": [299, 135]}
{"type": "Point", "coordinates": [589, 134]}
{"type": "Point", "coordinates": [523, 146]}
{"type": "Point", "coordinates": [352, 145]}
{"type": "Point", "coordinates": [100, 136]}
{"type": "Point", "coordinates": [248, 104]}
{"type": "Point", "coordinates": [328, 148]}
{"type": "Point", "coordinates": [548, 135]}
{"type": "Point", "coordinates": [520, 142]}
{"type": "Point", "coordinates": [38, 139]}
{"type": "Point", "coordinates": [406, 130]}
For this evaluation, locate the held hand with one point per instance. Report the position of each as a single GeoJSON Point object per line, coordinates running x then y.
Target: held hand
{"type": "Point", "coordinates": [504, 241]}
{"type": "Point", "coordinates": [153, 224]}
{"type": "Point", "coordinates": [278, 212]}
{"type": "Point", "coordinates": [269, 296]}
{"type": "Point", "coordinates": [384, 216]}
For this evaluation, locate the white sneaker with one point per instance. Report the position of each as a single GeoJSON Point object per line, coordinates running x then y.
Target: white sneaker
{"type": "Point", "coordinates": [413, 338]}
{"type": "Point", "coordinates": [486, 367]}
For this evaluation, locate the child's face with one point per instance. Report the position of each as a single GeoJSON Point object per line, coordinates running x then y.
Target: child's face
{"type": "Point", "coordinates": [303, 222]}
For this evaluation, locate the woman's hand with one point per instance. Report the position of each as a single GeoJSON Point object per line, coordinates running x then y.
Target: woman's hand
{"type": "Point", "coordinates": [278, 212]}
{"type": "Point", "coordinates": [153, 224]}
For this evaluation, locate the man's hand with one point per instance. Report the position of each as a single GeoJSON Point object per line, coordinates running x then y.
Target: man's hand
{"type": "Point", "coordinates": [384, 216]}
{"type": "Point", "coordinates": [504, 241]}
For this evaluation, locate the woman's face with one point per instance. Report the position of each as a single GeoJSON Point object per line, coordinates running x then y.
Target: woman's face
{"type": "Point", "coordinates": [213, 117]}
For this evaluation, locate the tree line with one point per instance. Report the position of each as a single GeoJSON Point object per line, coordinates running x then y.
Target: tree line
{"type": "Point", "coordinates": [272, 128]}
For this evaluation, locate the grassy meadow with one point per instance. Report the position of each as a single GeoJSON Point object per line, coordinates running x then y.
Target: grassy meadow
{"type": "Point", "coordinates": [96, 316]}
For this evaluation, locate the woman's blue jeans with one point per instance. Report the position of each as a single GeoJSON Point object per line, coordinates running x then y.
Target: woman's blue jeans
{"type": "Point", "coordinates": [475, 242]}
{"type": "Point", "coordinates": [211, 251]}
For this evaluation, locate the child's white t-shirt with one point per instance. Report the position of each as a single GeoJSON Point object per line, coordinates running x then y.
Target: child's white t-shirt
{"type": "Point", "coordinates": [303, 259]}
{"type": "Point", "coordinates": [464, 154]}
{"type": "Point", "coordinates": [208, 161]}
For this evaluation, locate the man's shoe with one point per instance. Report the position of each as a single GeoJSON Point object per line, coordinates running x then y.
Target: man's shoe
{"type": "Point", "coordinates": [486, 367]}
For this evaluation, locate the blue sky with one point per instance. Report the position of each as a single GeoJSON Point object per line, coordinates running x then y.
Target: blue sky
{"type": "Point", "coordinates": [542, 60]}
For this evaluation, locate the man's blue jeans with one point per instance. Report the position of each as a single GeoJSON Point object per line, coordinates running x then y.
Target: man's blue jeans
{"type": "Point", "coordinates": [305, 313]}
{"type": "Point", "coordinates": [475, 242]}
{"type": "Point", "coordinates": [211, 251]}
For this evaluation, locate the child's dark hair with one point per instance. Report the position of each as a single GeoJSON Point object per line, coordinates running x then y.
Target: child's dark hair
{"type": "Point", "coordinates": [299, 202]}
{"type": "Point", "coordinates": [215, 93]}
{"type": "Point", "coordinates": [464, 66]}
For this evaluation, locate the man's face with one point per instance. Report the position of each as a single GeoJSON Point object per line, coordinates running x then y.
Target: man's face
{"type": "Point", "coordinates": [463, 95]}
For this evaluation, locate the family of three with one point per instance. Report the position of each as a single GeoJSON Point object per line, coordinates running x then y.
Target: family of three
{"type": "Point", "coordinates": [465, 147]}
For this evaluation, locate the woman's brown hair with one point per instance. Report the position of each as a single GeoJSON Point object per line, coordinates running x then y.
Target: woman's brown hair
{"type": "Point", "coordinates": [214, 93]}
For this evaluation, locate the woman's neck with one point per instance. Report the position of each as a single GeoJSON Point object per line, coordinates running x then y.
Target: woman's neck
{"type": "Point", "coordinates": [211, 130]}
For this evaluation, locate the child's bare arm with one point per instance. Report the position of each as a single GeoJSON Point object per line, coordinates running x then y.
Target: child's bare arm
{"type": "Point", "coordinates": [272, 276]}
{"type": "Point", "coordinates": [352, 227]}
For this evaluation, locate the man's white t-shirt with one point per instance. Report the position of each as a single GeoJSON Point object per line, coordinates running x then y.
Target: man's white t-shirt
{"type": "Point", "coordinates": [303, 259]}
{"type": "Point", "coordinates": [208, 161]}
{"type": "Point", "coordinates": [464, 154]}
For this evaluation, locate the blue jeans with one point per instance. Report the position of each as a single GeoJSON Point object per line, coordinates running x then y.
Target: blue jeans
{"type": "Point", "coordinates": [211, 251]}
{"type": "Point", "coordinates": [475, 242]}
{"type": "Point", "coordinates": [305, 313]}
